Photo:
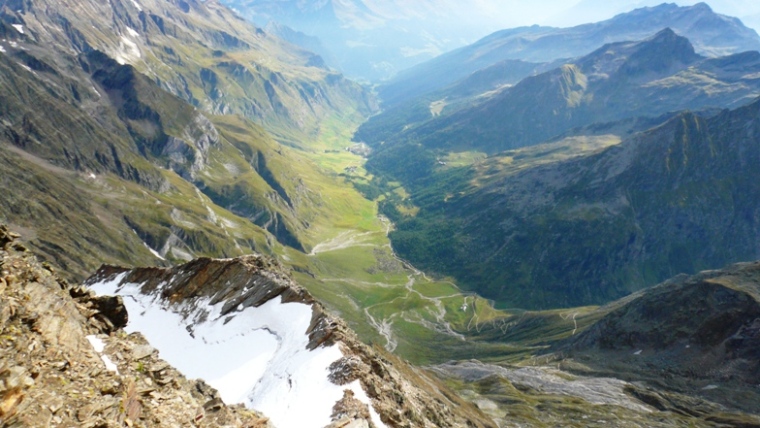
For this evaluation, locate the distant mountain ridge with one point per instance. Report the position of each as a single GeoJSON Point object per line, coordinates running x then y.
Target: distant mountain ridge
{"type": "Point", "coordinates": [712, 35]}
{"type": "Point", "coordinates": [618, 81]}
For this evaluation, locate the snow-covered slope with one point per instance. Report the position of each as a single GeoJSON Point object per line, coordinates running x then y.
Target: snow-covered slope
{"type": "Point", "coordinates": [258, 356]}
{"type": "Point", "coordinates": [249, 331]}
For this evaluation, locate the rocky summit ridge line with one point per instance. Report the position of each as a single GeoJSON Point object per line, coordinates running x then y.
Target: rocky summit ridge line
{"type": "Point", "coordinates": [68, 359]}
{"type": "Point", "coordinates": [65, 359]}
{"type": "Point", "coordinates": [315, 369]}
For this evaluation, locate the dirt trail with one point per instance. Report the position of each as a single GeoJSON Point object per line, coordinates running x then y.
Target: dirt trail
{"type": "Point", "coordinates": [347, 239]}
{"type": "Point", "coordinates": [384, 326]}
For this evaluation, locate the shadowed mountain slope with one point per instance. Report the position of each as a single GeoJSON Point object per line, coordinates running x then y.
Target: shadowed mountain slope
{"type": "Point", "coordinates": [677, 198]}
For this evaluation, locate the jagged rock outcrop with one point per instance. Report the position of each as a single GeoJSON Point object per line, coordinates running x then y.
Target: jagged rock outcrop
{"type": "Point", "coordinates": [66, 361]}
{"type": "Point", "coordinates": [207, 296]}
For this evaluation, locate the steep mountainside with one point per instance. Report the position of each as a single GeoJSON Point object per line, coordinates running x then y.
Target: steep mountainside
{"type": "Point", "coordinates": [619, 81]}
{"type": "Point", "coordinates": [202, 53]}
{"type": "Point", "coordinates": [712, 35]}
{"type": "Point", "coordinates": [697, 335]}
{"type": "Point", "coordinates": [589, 229]}
{"type": "Point", "coordinates": [67, 358]}
{"type": "Point", "coordinates": [147, 174]}
{"type": "Point", "coordinates": [683, 353]}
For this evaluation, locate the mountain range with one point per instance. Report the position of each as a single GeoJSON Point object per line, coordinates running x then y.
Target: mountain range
{"type": "Point", "coordinates": [711, 34]}
{"type": "Point", "coordinates": [503, 230]}
{"type": "Point", "coordinates": [618, 81]}
{"type": "Point", "coordinates": [110, 131]}
{"type": "Point", "coordinates": [579, 230]}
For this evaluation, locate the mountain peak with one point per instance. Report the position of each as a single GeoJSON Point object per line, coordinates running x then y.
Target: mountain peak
{"type": "Point", "coordinates": [670, 38]}
{"type": "Point", "coordinates": [666, 33]}
{"type": "Point", "coordinates": [663, 52]}
{"type": "Point", "coordinates": [702, 6]}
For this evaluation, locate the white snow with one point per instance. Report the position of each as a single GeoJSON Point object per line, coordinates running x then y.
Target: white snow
{"type": "Point", "coordinates": [2, 49]}
{"type": "Point", "coordinates": [99, 347]}
{"type": "Point", "coordinates": [152, 251]}
{"type": "Point", "coordinates": [257, 356]}
{"type": "Point", "coordinates": [132, 32]}
{"type": "Point", "coordinates": [19, 28]}
{"type": "Point", "coordinates": [137, 5]}
{"type": "Point", "coordinates": [363, 397]}
{"type": "Point", "coordinates": [128, 51]}
{"type": "Point", "coordinates": [109, 364]}
{"type": "Point", "coordinates": [26, 67]}
{"type": "Point", "coordinates": [96, 343]}
{"type": "Point", "coordinates": [637, 352]}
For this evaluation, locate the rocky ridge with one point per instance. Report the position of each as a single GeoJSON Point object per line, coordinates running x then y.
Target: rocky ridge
{"type": "Point", "coordinates": [400, 395]}
{"type": "Point", "coordinates": [66, 361]}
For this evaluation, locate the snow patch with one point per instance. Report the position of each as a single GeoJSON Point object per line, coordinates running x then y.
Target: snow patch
{"type": "Point", "coordinates": [19, 28]}
{"type": "Point", "coordinates": [96, 343]}
{"type": "Point", "coordinates": [637, 352]}
{"type": "Point", "coordinates": [362, 396]}
{"type": "Point", "coordinates": [25, 67]}
{"type": "Point", "coordinates": [99, 346]}
{"type": "Point", "coordinates": [132, 32]}
{"type": "Point", "coordinates": [127, 52]}
{"type": "Point", "coordinates": [109, 364]}
{"type": "Point", "coordinates": [2, 49]}
{"type": "Point", "coordinates": [152, 251]}
{"type": "Point", "coordinates": [137, 5]}
{"type": "Point", "coordinates": [257, 356]}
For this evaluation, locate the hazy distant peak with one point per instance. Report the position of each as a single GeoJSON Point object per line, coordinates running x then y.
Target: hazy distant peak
{"type": "Point", "coordinates": [666, 33]}
{"type": "Point", "coordinates": [702, 5]}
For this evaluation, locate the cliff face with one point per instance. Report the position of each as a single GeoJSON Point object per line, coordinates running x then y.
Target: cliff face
{"type": "Point", "coordinates": [250, 331]}
{"type": "Point", "coordinates": [66, 361]}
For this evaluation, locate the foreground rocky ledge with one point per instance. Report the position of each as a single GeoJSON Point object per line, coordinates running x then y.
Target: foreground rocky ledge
{"type": "Point", "coordinates": [66, 360]}
{"type": "Point", "coordinates": [211, 298]}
